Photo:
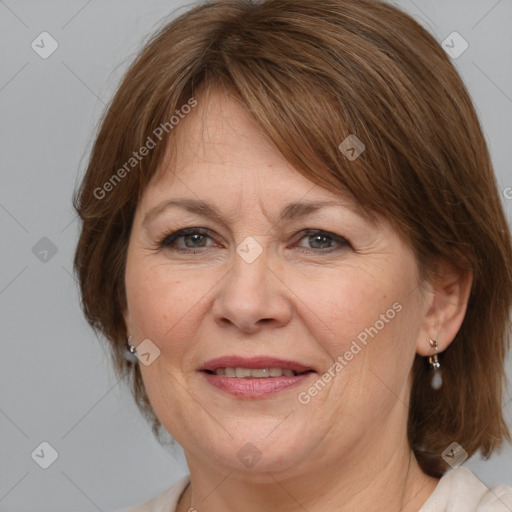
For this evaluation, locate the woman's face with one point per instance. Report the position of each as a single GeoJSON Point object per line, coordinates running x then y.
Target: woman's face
{"type": "Point", "coordinates": [343, 300]}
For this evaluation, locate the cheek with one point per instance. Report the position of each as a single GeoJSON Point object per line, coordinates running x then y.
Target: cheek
{"type": "Point", "coordinates": [347, 301]}
{"type": "Point", "coordinates": [165, 304]}
{"type": "Point", "coordinates": [168, 303]}
{"type": "Point", "coordinates": [149, 298]}
{"type": "Point", "coordinates": [367, 319]}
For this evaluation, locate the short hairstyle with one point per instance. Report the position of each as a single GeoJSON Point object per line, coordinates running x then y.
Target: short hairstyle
{"type": "Point", "coordinates": [311, 74]}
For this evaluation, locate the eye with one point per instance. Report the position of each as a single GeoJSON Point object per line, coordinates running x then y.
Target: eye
{"type": "Point", "coordinates": [193, 238]}
{"type": "Point", "coordinates": [197, 238]}
{"type": "Point", "coordinates": [323, 241]}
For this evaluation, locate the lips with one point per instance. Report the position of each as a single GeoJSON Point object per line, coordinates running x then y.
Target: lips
{"type": "Point", "coordinates": [254, 377]}
{"type": "Point", "coordinates": [258, 362]}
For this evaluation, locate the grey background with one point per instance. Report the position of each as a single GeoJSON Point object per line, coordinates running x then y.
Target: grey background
{"type": "Point", "coordinates": [55, 382]}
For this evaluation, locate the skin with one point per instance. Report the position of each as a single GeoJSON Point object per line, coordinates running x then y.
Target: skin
{"type": "Point", "coordinates": [347, 448]}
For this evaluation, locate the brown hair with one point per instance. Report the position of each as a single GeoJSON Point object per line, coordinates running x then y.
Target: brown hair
{"type": "Point", "coordinates": [311, 73]}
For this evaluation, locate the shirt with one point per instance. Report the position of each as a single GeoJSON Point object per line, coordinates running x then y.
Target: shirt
{"type": "Point", "coordinates": [458, 490]}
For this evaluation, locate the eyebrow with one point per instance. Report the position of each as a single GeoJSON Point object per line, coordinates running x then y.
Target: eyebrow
{"type": "Point", "coordinates": [295, 210]}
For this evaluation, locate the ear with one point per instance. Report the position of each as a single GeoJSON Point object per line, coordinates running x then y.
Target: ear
{"type": "Point", "coordinates": [445, 306]}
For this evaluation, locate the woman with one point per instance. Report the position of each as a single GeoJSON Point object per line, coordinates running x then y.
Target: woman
{"type": "Point", "coordinates": [293, 242]}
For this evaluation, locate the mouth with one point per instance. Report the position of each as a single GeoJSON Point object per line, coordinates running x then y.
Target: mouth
{"type": "Point", "coordinates": [255, 377]}
{"type": "Point", "coordinates": [255, 373]}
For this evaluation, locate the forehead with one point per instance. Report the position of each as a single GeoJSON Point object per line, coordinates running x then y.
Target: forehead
{"type": "Point", "coordinates": [220, 135]}
{"type": "Point", "coordinates": [219, 152]}
{"type": "Point", "coordinates": [219, 131]}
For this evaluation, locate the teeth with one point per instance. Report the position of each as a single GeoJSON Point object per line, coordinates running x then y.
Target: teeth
{"type": "Point", "coordinates": [242, 372]}
{"type": "Point", "coordinates": [255, 373]}
{"type": "Point", "coordinates": [261, 372]}
{"type": "Point", "coordinates": [228, 372]}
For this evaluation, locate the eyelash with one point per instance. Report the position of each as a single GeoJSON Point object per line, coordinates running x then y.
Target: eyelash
{"type": "Point", "coordinates": [170, 238]}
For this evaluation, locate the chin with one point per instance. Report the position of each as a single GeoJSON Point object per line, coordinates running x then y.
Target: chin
{"type": "Point", "coordinates": [255, 453]}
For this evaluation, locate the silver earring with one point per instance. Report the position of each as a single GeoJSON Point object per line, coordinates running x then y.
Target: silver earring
{"type": "Point", "coordinates": [436, 380]}
{"type": "Point", "coordinates": [130, 353]}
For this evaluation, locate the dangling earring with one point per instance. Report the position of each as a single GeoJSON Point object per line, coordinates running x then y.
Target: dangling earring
{"type": "Point", "coordinates": [130, 354]}
{"type": "Point", "coordinates": [436, 380]}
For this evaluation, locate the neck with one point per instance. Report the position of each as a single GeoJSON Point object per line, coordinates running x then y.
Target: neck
{"type": "Point", "coordinates": [393, 484]}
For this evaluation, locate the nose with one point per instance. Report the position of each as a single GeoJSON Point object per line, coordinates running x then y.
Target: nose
{"type": "Point", "coordinates": [251, 296]}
